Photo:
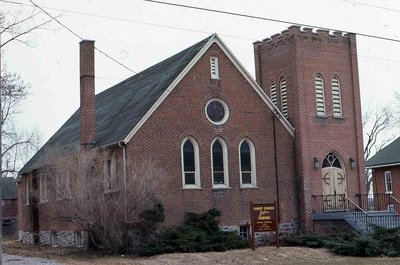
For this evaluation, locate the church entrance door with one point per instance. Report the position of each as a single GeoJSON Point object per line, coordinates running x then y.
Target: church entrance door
{"type": "Point", "coordinates": [334, 186]}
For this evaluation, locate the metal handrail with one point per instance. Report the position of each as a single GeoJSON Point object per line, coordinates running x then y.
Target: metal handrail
{"type": "Point", "coordinates": [398, 203]}
{"type": "Point", "coordinates": [358, 215]}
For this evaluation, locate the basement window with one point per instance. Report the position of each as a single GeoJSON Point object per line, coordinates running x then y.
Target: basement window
{"type": "Point", "coordinates": [53, 238]}
{"type": "Point", "coordinates": [244, 232]}
{"type": "Point", "coordinates": [214, 67]}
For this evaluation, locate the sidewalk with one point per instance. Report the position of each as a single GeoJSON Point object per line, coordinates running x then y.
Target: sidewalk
{"type": "Point", "coordinates": [14, 260]}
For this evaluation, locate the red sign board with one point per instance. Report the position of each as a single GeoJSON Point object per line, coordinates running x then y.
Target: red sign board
{"type": "Point", "coordinates": [264, 218]}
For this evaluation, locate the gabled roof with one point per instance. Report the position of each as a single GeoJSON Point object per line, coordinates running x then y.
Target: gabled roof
{"type": "Point", "coordinates": [388, 156]}
{"type": "Point", "coordinates": [9, 188]}
{"type": "Point", "coordinates": [122, 109]}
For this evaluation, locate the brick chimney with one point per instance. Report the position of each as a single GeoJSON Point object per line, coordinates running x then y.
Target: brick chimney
{"type": "Point", "coordinates": [88, 104]}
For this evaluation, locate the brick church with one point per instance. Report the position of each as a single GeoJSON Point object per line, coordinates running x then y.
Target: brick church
{"type": "Point", "coordinates": [292, 135]}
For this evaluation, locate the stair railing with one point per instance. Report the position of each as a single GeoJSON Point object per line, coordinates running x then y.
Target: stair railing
{"type": "Point", "coordinates": [358, 214]}
{"type": "Point", "coordinates": [396, 203]}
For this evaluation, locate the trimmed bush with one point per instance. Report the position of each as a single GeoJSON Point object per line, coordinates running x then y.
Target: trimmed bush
{"type": "Point", "coordinates": [381, 242]}
{"type": "Point", "coordinates": [199, 233]}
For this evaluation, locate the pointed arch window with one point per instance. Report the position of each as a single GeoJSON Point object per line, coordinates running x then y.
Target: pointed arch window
{"type": "Point", "coordinates": [247, 164]}
{"type": "Point", "coordinates": [336, 97]}
{"type": "Point", "coordinates": [331, 160]}
{"type": "Point", "coordinates": [284, 103]}
{"type": "Point", "coordinates": [190, 164]}
{"type": "Point", "coordinates": [320, 95]}
{"type": "Point", "coordinates": [273, 93]}
{"type": "Point", "coordinates": [219, 162]}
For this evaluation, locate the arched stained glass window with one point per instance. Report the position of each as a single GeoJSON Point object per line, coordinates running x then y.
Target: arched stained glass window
{"type": "Point", "coordinates": [190, 163]}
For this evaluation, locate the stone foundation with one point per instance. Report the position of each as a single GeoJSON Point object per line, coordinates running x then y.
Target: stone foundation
{"type": "Point", "coordinates": [45, 238]}
{"type": "Point", "coordinates": [62, 238]}
{"type": "Point", "coordinates": [27, 237]}
{"type": "Point", "coordinates": [289, 228]}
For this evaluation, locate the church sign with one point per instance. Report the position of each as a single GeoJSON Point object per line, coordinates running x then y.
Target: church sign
{"type": "Point", "coordinates": [264, 218]}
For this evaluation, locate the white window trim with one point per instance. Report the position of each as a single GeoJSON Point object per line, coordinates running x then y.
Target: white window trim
{"type": "Point", "coordinates": [226, 170]}
{"type": "Point", "coordinates": [340, 99]}
{"type": "Point", "coordinates": [214, 68]}
{"type": "Point", "coordinates": [318, 76]}
{"type": "Point", "coordinates": [386, 182]}
{"type": "Point", "coordinates": [27, 191]}
{"type": "Point", "coordinates": [197, 184]}
{"type": "Point", "coordinates": [253, 165]}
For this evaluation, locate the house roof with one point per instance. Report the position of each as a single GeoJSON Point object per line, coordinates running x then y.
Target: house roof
{"type": "Point", "coordinates": [390, 155]}
{"type": "Point", "coordinates": [9, 188]}
{"type": "Point", "coordinates": [122, 109]}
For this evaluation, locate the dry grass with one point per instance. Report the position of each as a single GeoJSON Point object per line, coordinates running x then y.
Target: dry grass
{"type": "Point", "coordinates": [262, 255]}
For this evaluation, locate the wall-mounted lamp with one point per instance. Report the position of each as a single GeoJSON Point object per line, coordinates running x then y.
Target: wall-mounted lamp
{"type": "Point", "coordinates": [316, 163]}
{"type": "Point", "coordinates": [352, 162]}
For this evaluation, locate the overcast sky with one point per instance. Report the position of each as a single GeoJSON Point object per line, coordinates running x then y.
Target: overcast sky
{"type": "Point", "coordinates": [139, 34]}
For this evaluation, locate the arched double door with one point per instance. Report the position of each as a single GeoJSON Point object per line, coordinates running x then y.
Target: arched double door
{"type": "Point", "coordinates": [334, 185]}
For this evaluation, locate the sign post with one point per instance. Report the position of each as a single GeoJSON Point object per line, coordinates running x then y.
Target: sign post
{"type": "Point", "coordinates": [264, 218]}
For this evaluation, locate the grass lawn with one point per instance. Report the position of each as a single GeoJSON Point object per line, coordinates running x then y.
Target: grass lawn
{"type": "Point", "coordinates": [262, 255]}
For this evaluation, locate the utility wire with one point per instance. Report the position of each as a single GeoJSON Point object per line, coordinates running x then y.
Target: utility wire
{"type": "Point", "coordinates": [267, 19]}
{"type": "Point", "coordinates": [78, 36]}
{"type": "Point", "coordinates": [126, 20]}
{"type": "Point", "coordinates": [373, 6]}
{"type": "Point", "coordinates": [185, 29]}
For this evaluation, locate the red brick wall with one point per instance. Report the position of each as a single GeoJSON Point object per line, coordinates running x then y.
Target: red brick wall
{"type": "Point", "coordinates": [379, 180]}
{"type": "Point", "coordinates": [299, 56]}
{"type": "Point", "coordinates": [182, 114]}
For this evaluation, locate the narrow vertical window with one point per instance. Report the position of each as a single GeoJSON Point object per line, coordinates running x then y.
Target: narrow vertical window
{"type": "Point", "coordinates": [43, 194]}
{"type": "Point", "coordinates": [247, 164]}
{"type": "Point", "coordinates": [214, 67]}
{"type": "Point", "coordinates": [110, 168]}
{"type": "Point", "coordinates": [284, 103]}
{"type": "Point", "coordinates": [190, 164]}
{"type": "Point", "coordinates": [273, 92]}
{"type": "Point", "coordinates": [388, 181]}
{"type": "Point", "coordinates": [320, 95]}
{"type": "Point", "coordinates": [336, 97]}
{"type": "Point", "coordinates": [27, 190]}
{"type": "Point", "coordinates": [219, 156]}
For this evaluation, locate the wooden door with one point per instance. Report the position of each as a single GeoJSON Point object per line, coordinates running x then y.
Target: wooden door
{"type": "Point", "coordinates": [334, 187]}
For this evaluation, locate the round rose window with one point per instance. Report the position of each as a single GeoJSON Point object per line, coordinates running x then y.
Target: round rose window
{"type": "Point", "coordinates": [217, 111]}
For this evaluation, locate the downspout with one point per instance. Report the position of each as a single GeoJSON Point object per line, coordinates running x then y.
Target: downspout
{"type": "Point", "coordinates": [276, 169]}
{"type": "Point", "coordinates": [122, 144]}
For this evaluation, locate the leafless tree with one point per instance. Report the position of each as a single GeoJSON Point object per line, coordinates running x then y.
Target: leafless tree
{"type": "Point", "coordinates": [113, 215]}
{"type": "Point", "coordinates": [20, 25]}
{"type": "Point", "coordinates": [17, 144]}
{"type": "Point", "coordinates": [375, 124]}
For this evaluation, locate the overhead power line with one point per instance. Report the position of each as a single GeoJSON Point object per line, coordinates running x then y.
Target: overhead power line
{"type": "Point", "coordinates": [373, 6]}
{"type": "Point", "coordinates": [78, 36]}
{"type": "Point", "coordinates": [267, 19]}
{"type": "Point", "coordinates": [124, 20]}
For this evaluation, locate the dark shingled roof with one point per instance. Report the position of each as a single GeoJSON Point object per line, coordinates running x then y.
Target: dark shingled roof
{"type": "Point", "coordinates": [121, 107]}
{"type": "Point", "coordinates": [9, 188]}
{"type": "Point", "coordinates": [388, 155]}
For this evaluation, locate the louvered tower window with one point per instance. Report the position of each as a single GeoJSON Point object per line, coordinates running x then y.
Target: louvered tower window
{"type": "Point", "coordinates": [214, 67]}
{"type": "Point", "coordinates": [320, 95]}
{"type": "Point", "coordinates": [273, 92]}
{"type": "Point", "coordinates": [336, 98]}
{"type": "Point", "coordinates": [284, 104]}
